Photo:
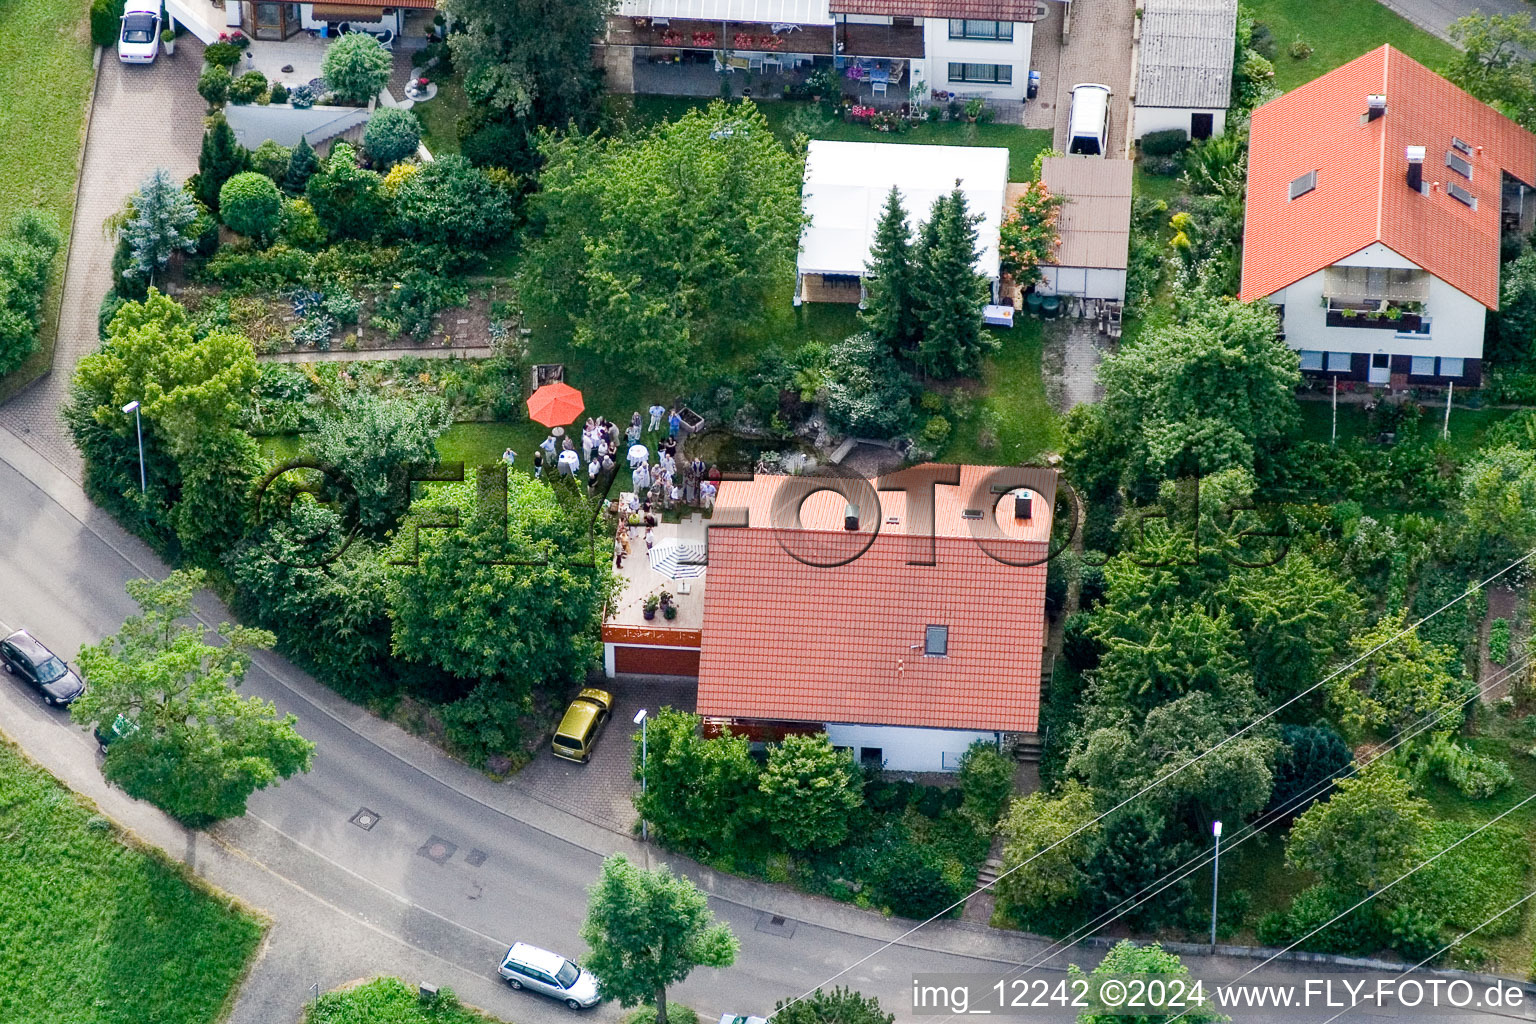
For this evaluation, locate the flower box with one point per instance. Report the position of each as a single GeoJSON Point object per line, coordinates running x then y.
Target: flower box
{"type": "Point", "coordinates": [1406, 323]}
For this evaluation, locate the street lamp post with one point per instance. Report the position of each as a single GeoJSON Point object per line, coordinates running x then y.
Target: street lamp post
{"type": "Point", "coordinates": [138, 422]}
{"type": "Point", "coordinates": [1215, 879]}
{"type": "Point", "coordinates": [640, 720]}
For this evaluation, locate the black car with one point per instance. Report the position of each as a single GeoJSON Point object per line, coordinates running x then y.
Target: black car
{"type": "Point", "coordinates": [22, 655]}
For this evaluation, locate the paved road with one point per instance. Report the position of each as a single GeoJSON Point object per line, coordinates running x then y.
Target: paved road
{"type": "Point", "coordinates": [1436, 15]}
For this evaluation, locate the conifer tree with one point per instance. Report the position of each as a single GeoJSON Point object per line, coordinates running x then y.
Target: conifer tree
{"type": "Point", "coordinates": [302, 165]}
{"type": "Point", "coordinates": [158, 224]}
{"type": "Point", "coordinates": [949, 293]}
{"type": "Point", "coordinates": [888, 312]}
{"type": "Point", "coordinates": [222, 157]}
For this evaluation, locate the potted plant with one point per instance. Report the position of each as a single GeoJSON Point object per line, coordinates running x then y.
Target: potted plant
{"type": "Point", "coordinates": [666, 599]}
{"type": "Point", "coordinates": [652, 602]}
{"type": "Point", "coordinates": [669, 612]}
{"type": "Point", "coordinates": [973, 109]}
{"type": "Point", "coordinates": [168, 40]}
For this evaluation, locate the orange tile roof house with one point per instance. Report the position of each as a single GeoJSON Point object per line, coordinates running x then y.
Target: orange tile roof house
{"type": "Point", "coordinates": [907, 629]}
{"type": "Point", "coordinates": [1376, 199]}
{"type": "Point", "coordinates": [809, 623]}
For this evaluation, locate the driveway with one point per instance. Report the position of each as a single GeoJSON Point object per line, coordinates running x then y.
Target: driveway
{"type": "Point", "coordinates": [143, 117]}
{"type": "Point", "coordinates": [1098, 49]}
{"type": "Point", "coordinates": [600, 791]}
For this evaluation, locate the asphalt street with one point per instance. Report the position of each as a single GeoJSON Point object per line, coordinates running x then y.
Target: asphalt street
{"type": "Point", "coordinates": [454, 866]}
{"type": "Point", "coordinates": [1437, 15]}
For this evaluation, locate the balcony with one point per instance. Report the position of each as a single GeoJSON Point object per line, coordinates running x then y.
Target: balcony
{"type": "Point", "coordinates": [740, 37]}
{"type": "Point", "coordinates": [1403, 323]}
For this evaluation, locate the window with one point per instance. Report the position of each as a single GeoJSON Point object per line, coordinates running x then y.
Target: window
{"type": "Point", "coordinates": [1423, 366]}
{"type": "Point", "coordinates": [992, 74]}
{"type": "Point", "coordinates": [965, 28]}
{"type": "Point", "coordinates": [1459, 165]}
{"type": "Point", "coordinates": [1461, 195]}
{"type": "Point", "coordinates": [1465, 147]}
{"type": "Point", "coordinates": [874, 757]}
{"type": "Point", "coordinates": [1311, 360]}
{"type": "Point", "coordinates": [1304, 184]}
{"type": "Point", "coordinates": [1339, 362]}
{"type": "Point", "coordinates": [936, 641]}
{"type": "Point", "coordinates": [1452, 367]}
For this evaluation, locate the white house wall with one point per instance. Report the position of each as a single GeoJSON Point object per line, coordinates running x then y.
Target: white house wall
{"type": "Point", "coordinates": [940, 51]}
{"type": "Point", "coordinates": [906, 749]}
{"type": "Point", "coordinates": [1157, 119]}
{"type": "Point", "coordinates": [1456, 327]}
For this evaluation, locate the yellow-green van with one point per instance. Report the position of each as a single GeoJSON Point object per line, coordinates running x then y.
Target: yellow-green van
{"type": "Point", "coordinates": [582, 722]}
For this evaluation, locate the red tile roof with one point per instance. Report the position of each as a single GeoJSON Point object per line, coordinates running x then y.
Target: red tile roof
{"type": "Point", "coordinates": [783, 640]}
{"type": "Point", "coordinates": [985, 10]}
{"type": "Point", "coordinates": [1362, 196]}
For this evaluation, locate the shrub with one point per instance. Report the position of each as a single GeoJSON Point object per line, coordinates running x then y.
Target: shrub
{"type": "Point", "coordinates": [106, 21]}
{"type": "Point", "coordinates": [223, 55]}
{"type": "Point", "coordinates": [1414, 934]}
{"type": "Point", "coordinates": [868, 393]}
{"type": "Point", "coordinates": [910, 880]}
{"type": "Point", "coordinates": [1164, 143]}
{"type": "Point", "coordinates": [27, 250]}
{"type": "Point", "coordinates": [676, 1014]}
{"type": "Point", "coordinates": [356, 67]}
{"type": "Point", "coordinates": [1358, 932]}
{"type": "Point", "coordinates": [250, 204]}
{"type": "Point", "coordinates": [342, 305]}
{"type": "Point", "coordinates": [213, 86]}
{"type": "Point", "coordinates": [392, 135]}
{"type": "Point", "coordinates": [1475, 776]}
{"type": "Point", "coordinates": [986, 780]}
{"type": "Point", "coordinates": [271, 159]}
{"type": "Point", "coordinates": [299, 227]}
{"type": "Point", "coordinates": [1498, 641]}
{"type": "Point", "coordinates": [302, 97]}
{"type": "Point", "coordinates": [451, 202]}
{"type": "Point", "coordinates": [279, 93]}
{"type": "Point", "coordinates": [248, 88]}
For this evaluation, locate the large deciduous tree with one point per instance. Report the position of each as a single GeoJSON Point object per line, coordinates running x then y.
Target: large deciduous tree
{"type": "Point", "coordinates": [1127, 958]}
{"type": "Point", "coordinates": [374, 442]}
{"type": "Point", "coordinates": [192, 745]}
{"type": "Point", "coordinates": [512, 597]}
{"type": "Point", "coordinates": [1369, 832]}
{"type": "Point", "coordinates": [1046, 844]}
{"type": "Point", "coordinates": [654, 243]}
{"type": "Point", "coordinates": [1494, 62]}
{"type": "Point", "coordinates": [1498, 504]}
{"type": "Point", "coordinates": [648, 930]}
{"type": "Point", "coordinates": [1396, 680]}
{"type": "Point", "coordinates": [700, 794]}
{"type": "Point", "coordinates": [451, 202]}
{"type": "Point", "coordinates": [530, 58]}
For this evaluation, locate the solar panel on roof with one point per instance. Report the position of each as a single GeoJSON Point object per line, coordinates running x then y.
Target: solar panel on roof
{"type": "Point", "coordinates": [1461, 195]}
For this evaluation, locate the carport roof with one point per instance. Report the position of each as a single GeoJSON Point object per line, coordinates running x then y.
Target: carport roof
{"type": "Point", "coordinates": [1095, 221]}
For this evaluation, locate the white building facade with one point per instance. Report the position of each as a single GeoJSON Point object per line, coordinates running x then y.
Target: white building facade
{"type": "Point", "coordinates": [971, 57]}
{"type": "Point", "coordinates": [907, 749]}
{"type": "Point", "coordinates": [1184, 66]}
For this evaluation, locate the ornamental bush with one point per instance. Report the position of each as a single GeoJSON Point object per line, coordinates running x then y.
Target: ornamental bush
{"type": "Point", "coordinates": [392, 135]}
{"type": "Point", "coordinates": [250, 204]}
{"type": "Point", "coordinates": [106, 20]}
{"type": "Point", "coordinates": [222, 55]}
{"type": "Point", "coordinates": [1164, 143]}
{"type": "Point", "coordinates": [248, 88]}
{"type": "Point", "coordinates": [279, 93]}
{"type": "Point", "coordinates": [27, 250]}
{"type": "Point", "coordinates": [271, 159]}
{"type": "Point", "coordinates": [213, 86]}
{"type": "Point", "coordinates": [356, 67]}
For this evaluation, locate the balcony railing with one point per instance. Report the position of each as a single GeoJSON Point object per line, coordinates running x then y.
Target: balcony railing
{"type": "Point", "coordinates": [1408, 323]}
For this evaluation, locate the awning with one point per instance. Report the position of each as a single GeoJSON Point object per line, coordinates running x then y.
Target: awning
{"type": "Point", "coordinates": [347, 12]}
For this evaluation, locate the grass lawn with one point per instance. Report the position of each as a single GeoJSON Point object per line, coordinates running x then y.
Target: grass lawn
{"type": "Point", "coordinates": [1468, 426]}
{"type": "Point", "coordinates": [1339, 33]}
{"type": "Point", "coordinates": [45, 77]}
{"type": "Point", "coordinates": [97, 930]}
{"type": "Point", "coordinates": [390, 1001]}
{"type": "Point", "coordinates": [1022, 143]}
{"type": "Point", "coordinates": [439, 117]}
{"type": "Point", "coordinates": [1008, 421]}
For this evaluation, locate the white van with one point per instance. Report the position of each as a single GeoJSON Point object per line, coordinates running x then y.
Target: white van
{"type": "Point", "coordinates": [1088, 130]}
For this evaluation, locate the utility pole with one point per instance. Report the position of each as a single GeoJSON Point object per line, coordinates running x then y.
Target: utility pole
{"type": "Point", "coordinates": [641, 721]}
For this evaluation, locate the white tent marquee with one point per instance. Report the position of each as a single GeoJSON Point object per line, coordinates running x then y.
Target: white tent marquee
{"type": "Point", "coordinates": [846, 184]}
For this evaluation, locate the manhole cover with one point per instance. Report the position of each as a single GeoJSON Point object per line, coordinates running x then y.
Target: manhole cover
{"type": "Point", "coordinates": [773, 924]}
{"type": "Point", "coordinates": [475, 858]}
{"type": "Point", "coordinates": [365, 819]}
{"type": "Point", "coordinates": [437, 849]}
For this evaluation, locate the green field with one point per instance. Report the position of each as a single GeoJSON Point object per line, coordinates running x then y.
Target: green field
{"type": "Point", "coordinates": [1338, 33]}
{"type": "Point", "coordinates": [99, 931]}
{"type": "Point", "coordinates": [439, 117]}
{"type": "Point", "coordinates": [1007, 421]}
{"type": "Point", "coordinates": [1468, 426]}
{"type": "Point", "coordinates": [390, 1001]}
{"type": "Point", "coordinates": [45, 79]}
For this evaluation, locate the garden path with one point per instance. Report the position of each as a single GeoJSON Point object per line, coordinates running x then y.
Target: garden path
{"type": "Point", "coordinates": [143, 117]}
{"type": "Point", "coordinates": [375, 354]}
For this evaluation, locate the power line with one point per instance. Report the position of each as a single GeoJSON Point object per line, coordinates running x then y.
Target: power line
{"type": "Point", "coordinates": [1200, 860]}
{"type": "Point", "coordinates": [1162, 778]}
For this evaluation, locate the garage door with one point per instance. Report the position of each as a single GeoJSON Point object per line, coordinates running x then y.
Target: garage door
{"type": "Point", "coordinates": [656, 661]}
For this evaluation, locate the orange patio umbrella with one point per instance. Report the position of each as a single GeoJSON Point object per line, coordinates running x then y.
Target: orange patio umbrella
{"type": "Point", "coordinates": [555, 405]}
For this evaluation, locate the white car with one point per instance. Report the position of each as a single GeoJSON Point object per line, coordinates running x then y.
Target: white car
{"type": "Point", "coordinates": [539, 970]}
{"type": "Point", "coordinates": [139, 41]}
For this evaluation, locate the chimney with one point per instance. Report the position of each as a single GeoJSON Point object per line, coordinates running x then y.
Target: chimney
{"type": "Point", "coordinates": [1021, 505]}
{"type": "Point", "coordinates": [1416, 168]}
{"type": "Point", "coordinates": [851, 517]}
{"type": "Point", "coordinates": [1375, 106]}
